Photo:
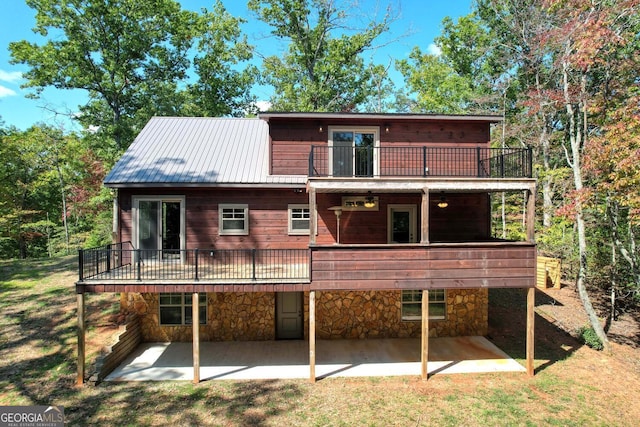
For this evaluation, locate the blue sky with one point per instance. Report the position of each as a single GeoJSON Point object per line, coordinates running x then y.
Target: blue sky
{"type": "Point", "coordinates": [420, 19]}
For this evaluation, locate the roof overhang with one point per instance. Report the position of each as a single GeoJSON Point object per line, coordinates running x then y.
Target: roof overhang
{"type": "Point", "coordinates": [380, 116]}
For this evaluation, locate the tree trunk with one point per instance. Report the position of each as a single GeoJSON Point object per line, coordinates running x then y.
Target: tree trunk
{"type": "Point", "coordinates": [576, 139]}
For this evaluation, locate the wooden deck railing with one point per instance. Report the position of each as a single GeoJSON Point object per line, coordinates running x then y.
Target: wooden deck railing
{"type": "Point", "coordinates": [122, 262]}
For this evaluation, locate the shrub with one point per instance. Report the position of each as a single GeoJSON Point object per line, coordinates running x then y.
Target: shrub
{"type": "Point", "coordinates": [588, 336]}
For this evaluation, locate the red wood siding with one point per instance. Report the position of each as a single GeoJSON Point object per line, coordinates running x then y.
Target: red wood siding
{"type": "Point", "coordinates": [268, 217]}
{"type": "Point", "coordinates": [465, 219]}
{"type": "Point", "coordinates": [291, 140]}
{"type": "Point", "coordinates": [434, 267]}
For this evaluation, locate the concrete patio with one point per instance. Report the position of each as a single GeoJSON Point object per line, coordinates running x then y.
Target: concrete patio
{"type": "Point", "coordinates": [290, 359]}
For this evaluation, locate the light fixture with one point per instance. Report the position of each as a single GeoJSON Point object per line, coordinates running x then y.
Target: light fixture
{"type": "Point", "coordinates": [387, 127]}
{"type": "Point", "coordinates": [369, 201]}
{"type": "Point", "coordinates": [320, 127]}
{"type": "Point", "coordinates": [443, 202]}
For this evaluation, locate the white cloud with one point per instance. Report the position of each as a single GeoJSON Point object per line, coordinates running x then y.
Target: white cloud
{"type": "Point", "coordinates": [10, 76]}
{"type": "Point", "coordinates": [263, 105]}
{"type": "Point", "coordinates": [434, 49]}
{"type": "Point", "coordinates": [5, 91]}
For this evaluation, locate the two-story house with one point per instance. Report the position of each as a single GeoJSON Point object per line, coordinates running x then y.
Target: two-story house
{"type": "Point", "coordinates": [312, 226]}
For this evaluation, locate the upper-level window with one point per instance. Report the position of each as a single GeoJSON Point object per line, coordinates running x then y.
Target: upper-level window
{"type": "Point", "coordinates": [234, 220]}
{"type": "Point", "coordinates": [353, 151]}
{"type": "Point", "coordinates": [298, 219]}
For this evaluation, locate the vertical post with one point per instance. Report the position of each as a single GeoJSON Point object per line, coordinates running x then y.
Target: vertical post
{"type": "Point", "coordinates": [531, 302]}
{"type": "Point", "coordinates": [531, 215]}
{"type": "Point", "coordinates": [253, 263]}
{"type": "Point", "coordinates": [311, 161]}
{"type": "Point", "coordinates": [425, 170]}
{"type": "Point", "coordinates": [312, 336]}
{"type": "Point", "coordinates": [424, 217]}
{"type": "Point", "coordinates": [195, 317]}
{"type": "Point", "coordinates": [196, 252]}
{"type": "Point", "coordinates": [108, 258]}
{"type": "Point", "coordinates": [139, 260]}
{"type": "Point", "coordinates": [80, 264]}
{"type": "Point", "coordinates": [478, 162]}
{"type": "Point", "coordinates": [81, 338]}
{"type": "Point", "coordinates": [313, 216]}
{"type": "Point", "coordinates": [425, 335]}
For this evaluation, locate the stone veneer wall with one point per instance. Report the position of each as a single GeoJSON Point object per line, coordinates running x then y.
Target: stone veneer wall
{"type": "Point", "coordinates": [230, 317]}
{"type": "Point", "coordinates": [339, 315]}
{"type": "Point", "coordinates": [377, 314]}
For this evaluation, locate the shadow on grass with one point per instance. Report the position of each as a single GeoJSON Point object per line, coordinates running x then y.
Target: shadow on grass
{"type": "Point", "coordinates": [507, 328]}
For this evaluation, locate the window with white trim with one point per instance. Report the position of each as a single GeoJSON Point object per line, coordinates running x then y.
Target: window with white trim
{"type": "Point", "coordinates": [412, 304]}
{"type": "Point", "coordinates": [176, 308]}
{"type": "Point", "coordinates": [299, 219]}
{"type": "Point", "coordinates": [234, 220]}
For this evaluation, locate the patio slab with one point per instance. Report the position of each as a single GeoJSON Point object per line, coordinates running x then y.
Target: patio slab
{"type": "Point", "coordinates": [290, 359]}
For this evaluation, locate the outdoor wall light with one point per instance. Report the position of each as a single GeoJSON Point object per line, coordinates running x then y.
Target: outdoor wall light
{"type": "Point", "coordinates": [369, 201]}
{"type": "Point", "coordinates": [442, 203]}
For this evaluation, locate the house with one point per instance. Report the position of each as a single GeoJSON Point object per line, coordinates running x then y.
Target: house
{"type": "Point", "coordinates": [312, 226]}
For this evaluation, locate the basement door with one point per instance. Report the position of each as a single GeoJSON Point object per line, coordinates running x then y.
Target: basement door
{"type": "Point", "coordinates": [289, 320]}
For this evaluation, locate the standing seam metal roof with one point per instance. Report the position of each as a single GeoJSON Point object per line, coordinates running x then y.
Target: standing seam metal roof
{"type": "Point", "coordinates": [198, 151]}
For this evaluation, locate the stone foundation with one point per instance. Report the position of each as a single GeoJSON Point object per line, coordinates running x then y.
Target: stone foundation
{"type": "Point", "coordinates": [339, 315]}
{"type": "Point", "coordinates": [377, 314]}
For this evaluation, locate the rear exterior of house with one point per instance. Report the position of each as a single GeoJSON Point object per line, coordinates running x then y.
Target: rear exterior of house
{"type": "Point", "coordinates": [312, 226]}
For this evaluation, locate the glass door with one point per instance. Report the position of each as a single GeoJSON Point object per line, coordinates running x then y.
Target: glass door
{"type": "Point", "coordinates": [159, 228]}
{"type": "Point", "coordinates": [402, 224]}
{"type": "Point", "coordinates": [353, 153]}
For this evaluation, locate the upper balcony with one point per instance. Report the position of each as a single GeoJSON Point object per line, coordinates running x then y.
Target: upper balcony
{"type": "Point", "coordinates": [419, 162]}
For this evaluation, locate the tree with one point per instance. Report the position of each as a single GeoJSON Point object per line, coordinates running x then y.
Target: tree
{"type": "Point", "coordinates": [131, 56]}
{"type": "Point", "coordinates": [438, 88]}
{"type": "Point", "coordinates": [323, 68]}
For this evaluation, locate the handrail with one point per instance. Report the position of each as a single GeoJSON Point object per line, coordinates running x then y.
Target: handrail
{"type": "Point", "coordinates": [113, 262]}
{"type": "Point", "coordinates": [420, 161]}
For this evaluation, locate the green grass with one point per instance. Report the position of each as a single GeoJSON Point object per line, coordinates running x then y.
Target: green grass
{"type": "Point", "coordinates": [38, 362]}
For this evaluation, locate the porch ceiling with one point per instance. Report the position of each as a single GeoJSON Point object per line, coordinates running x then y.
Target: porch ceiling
{"type": "Point", "coordinates": [432, 185]}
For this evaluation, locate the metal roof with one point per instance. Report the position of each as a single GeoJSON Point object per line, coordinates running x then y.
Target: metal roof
{"type": "Point", "coordinates": [198, 151]}
{"type": "Point", "coordinates": [381, 116]}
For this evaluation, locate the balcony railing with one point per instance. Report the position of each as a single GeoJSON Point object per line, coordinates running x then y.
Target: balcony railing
{"type": "Point", "coordinates": [422, 161]}
{"type": "Point", "coordinates": [122, 262]}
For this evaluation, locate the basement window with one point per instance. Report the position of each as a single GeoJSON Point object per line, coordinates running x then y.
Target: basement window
{"type": "Point", "coordinates": [412, 304]}
{"type": "Point", "coordinates": [176, 308]}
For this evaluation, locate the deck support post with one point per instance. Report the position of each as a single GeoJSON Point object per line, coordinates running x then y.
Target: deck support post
{"type": "Point", "coordinates": [312, 336]}
{"type": "Point", "coordinates": [424, 351]}
{"type": "Point", "coordinates": [531, 302]}
{"type": "Point", "coordinates": [424, 217]}
{"type": "Point", "coordinates": [81, 338]}
{"type": "Point", "coordinates": [195, 305]}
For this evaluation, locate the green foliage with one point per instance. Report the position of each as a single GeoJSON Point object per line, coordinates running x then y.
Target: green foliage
{"type": "Point", "coordinates": [589, 337]}
{"type": "Point", "coordinates": [132, 57]}
{"type": "Point", "coordinates": [323, 68]}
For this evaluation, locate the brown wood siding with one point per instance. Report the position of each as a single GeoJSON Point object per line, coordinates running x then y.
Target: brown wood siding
{"type": "Point", "coordinates": [268, 217]}
{"type": "Point", "coordinates": [465, 219]}
{"type": "Point", "coordinates": [434, 267]}
{"type": "Point", "coordinates": [291, 141]}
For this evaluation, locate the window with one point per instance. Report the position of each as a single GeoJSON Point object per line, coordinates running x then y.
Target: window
{"type": "Point", "coordinates": [176, 308]}
{"type": "Point", "coordinates": [298, 219]}
{"type": "Point", "coordinates": [412, 304]}
{"type": "Point", "coordinates": [234, 220]}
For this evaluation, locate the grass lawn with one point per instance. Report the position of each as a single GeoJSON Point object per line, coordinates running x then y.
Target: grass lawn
{"type": "Point", "coordinates": [573, 385]}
